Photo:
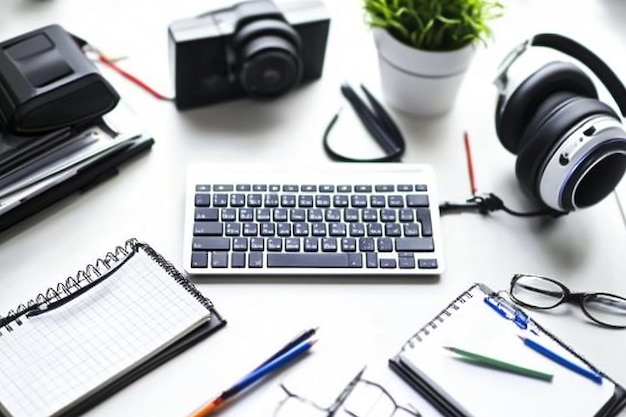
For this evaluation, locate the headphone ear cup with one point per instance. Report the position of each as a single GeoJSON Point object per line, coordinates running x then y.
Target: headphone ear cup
{"type": "Point", "coordinates": [513, 114]}
{"type": "Point", "coordinates": [547, 131]}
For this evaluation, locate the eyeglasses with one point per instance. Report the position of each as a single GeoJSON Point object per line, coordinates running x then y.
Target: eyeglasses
{"type": "Point", "coordinates": [360, 398]}
{"type": "Point", "coordinates": [545, 293]}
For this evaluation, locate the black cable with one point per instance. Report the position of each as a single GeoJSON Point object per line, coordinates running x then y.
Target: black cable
{"type": "Point", "coordinates": [376, 121]}
{"type": "Point", "coordinates": [489, 203]}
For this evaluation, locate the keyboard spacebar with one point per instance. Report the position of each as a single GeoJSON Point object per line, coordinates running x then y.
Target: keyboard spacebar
{"type": "Point", "coordinates": [312, 260]}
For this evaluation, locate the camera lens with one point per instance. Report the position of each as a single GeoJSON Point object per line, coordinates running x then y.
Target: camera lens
{"type": "Point", "coordinates": [270, 67]}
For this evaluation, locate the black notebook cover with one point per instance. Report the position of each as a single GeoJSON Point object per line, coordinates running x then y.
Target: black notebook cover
{"type": "Point", "coordinates": [86, 282]}
{"type": "Point", "coordinates": [437, 393]}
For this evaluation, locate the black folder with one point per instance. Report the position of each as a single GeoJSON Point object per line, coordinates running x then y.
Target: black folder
{"type": "Point", "coordinates": [18, 156]}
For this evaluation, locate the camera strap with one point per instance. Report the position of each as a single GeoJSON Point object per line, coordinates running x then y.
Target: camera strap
{"type": "Point", "coordinates": [377, 122]}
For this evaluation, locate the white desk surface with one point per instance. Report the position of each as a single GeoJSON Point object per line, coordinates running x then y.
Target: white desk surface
{"type": "Point", "coordinates": [369, 319]}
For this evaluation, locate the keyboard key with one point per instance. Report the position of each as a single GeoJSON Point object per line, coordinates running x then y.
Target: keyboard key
{"type": "Point", "coordinates": [406, 260]}
{"type": "Point", "coordinates": [310, 244]}
{"type": "Point", "coordinates": [255, 260]}
{"type": "Point", "coordinates": [255, 200]}
{"type": "Point", "coordinates": [344, 188]}
{"type": "Point", "coordinates": [423, 216]}
{"type": "Point", "coordinates": [366, 244]}
{"type": "Point", "coordinates": [371, 260]}
{"type": "Point", "coordinates": [257, 244]}
{"type": "Point", "coordinates": [415, 244]}
{"type": "Point", "coordinates": [240, 244]}
{"type": "Point", "coordinates": [292, 244]}
{"type": "Point", "coordinates": [387, 263]}
{"type": "Point", "coordinates": [238, 260]}
{"type": "Point", "coordinates": [385, 244]}
{"type": "Point", "coordinates": [199, 259]}
{"type": "Point", "coordinates": [211, 243]}
{"type": "Point", "coordinates": [329, 244]}
{"type": "Point", "coordinates": [203, 200]}
{"type": "Point", "coordinates": [232, 229]}
{"type": "Point", "coordinates": [322, 201]}
{"type": "Point", "coordinates": [220, 200]}
{"type": "Point", "coordinates": [340, 200]}
{"type": "Point", "coordinates": [427, 263]}
{"type": "Point", "coordinates": [417, 200]}
{"type": "Point", "coordinates": [271, 200]}
{"type": "Point", "coordinates": [384, 188]}
{"type": "Point", "coordinates": [348, 244]}
{"type": "Point", "coordinates": [209, 214]}
{"type": "Point", "coordinates": [207, 229]}
{"type": "Point", "coordinates": [223, 187]}
{"type": "Point", "coordinates": [219, 260]}
{"type": "Point", "coordinates": [313, 260]}
{"type": "Point", "coordinates": [274, 244]}
{"type": "Point", "coordinates": [377, 201]}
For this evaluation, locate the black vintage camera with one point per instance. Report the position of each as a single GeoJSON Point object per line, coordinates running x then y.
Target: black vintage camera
{"type": "Point", "coordinates": [250, 49]}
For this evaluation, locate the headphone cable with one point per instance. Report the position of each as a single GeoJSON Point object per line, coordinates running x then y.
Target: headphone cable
{"type": "Point", "coordinates": [489, 203]}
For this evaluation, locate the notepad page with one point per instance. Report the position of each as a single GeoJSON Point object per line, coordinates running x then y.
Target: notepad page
{"type": "Point", "coordinates": [59, 357]}
{"type": "Point", "coordinates": [485, 392]}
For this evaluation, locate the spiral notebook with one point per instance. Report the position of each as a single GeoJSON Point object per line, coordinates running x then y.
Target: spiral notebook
{"type": "Point", "coordinates": [75, 345]}
{"type": "Point", "coordinates": [460, 388]}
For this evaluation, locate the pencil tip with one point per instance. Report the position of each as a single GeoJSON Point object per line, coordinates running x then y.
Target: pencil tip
{"type": "Point", "coordinates": [447, 347]}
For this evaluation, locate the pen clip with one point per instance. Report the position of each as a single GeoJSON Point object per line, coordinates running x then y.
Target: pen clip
{"type": "Point", "coordinates": [508, 311]}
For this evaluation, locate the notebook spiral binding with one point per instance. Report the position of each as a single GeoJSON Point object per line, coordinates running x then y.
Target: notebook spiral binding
{"type": "Point", "coordinates": [174, 273]}
{"type": "Point", "coordinates": [91, 273]}
{"type": "Point", "coordinates": [439, 318]}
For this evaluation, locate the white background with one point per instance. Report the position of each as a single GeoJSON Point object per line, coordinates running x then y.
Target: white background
{"type": "Point", "coordinates": [358, 318]}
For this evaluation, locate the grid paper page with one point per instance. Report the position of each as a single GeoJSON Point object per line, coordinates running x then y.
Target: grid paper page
{"type": "Point", "coordinates": [56, 358]}
{"type": "Point", "coordinates": [484, 392]}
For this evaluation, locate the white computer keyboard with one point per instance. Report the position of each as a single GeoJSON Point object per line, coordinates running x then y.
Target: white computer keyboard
{"type": "Point", "coordinates": [331, 219]}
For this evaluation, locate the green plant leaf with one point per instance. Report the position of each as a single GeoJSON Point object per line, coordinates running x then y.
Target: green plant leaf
{"type": "Point", "coordinates": [435, 24]}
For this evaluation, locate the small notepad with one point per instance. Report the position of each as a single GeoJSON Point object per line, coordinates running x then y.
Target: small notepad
{"type": "Point", "coordinates": [60, 358]}
{"type": "Point", "coordinates": [461, 388]}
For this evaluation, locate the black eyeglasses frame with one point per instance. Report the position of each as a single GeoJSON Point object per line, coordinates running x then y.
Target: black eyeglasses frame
{"type": "Point", "coordinates": [567, 297]}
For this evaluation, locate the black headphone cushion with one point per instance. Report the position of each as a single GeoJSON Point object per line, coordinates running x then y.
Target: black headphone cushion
{"type": "Point", "coordinates": [514, 114]}
{"type": "Point", "coordinates": [547, 130]}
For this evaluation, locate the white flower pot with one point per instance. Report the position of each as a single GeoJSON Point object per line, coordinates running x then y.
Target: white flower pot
{"type": "Point", "coordinates": [423, 83]}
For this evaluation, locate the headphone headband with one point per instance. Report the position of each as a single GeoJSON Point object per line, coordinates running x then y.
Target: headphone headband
{"type": "Point", "coordinates": [573, 49]}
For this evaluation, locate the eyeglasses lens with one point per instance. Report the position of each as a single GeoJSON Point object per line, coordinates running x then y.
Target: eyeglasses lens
{"type": "Point", "coordinates": [606, 308]}
{"type": "Point", "coordinates": [537, 291]}
{"type": "Point", "coordinates": [294, 406]}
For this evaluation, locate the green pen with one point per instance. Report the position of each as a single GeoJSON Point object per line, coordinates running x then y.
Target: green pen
{"type": "Point", "coordinates": [498, 364]}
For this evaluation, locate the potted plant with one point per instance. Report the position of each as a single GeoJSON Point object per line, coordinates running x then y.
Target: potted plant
{"type": "Point", "coordinates": [425, 48]}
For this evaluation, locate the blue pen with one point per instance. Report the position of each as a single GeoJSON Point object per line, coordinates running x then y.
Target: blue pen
{"type": "Point", "coordinates": [595, 377]}
{"type": "Point", "coordinates": [253, 377]}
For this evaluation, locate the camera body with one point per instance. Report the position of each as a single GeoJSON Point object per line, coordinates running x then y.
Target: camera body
{"type": "Point", "coordinates": [252, 49]}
